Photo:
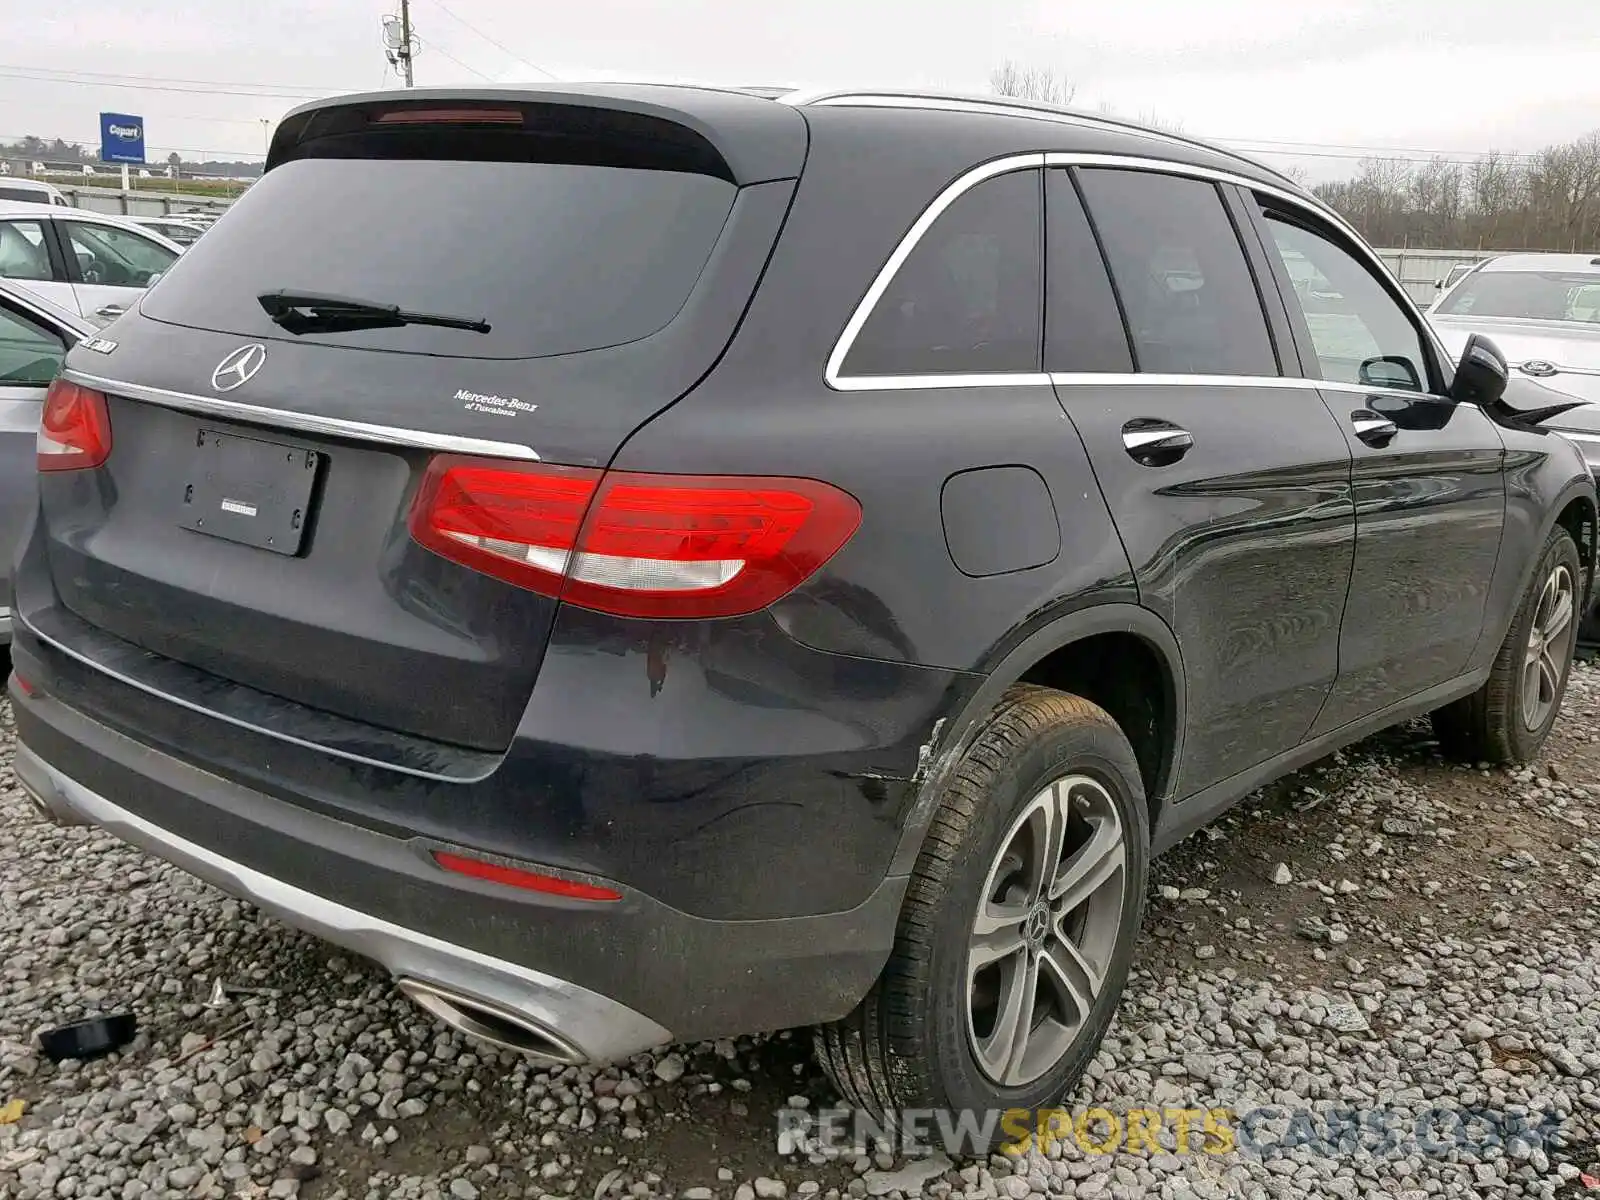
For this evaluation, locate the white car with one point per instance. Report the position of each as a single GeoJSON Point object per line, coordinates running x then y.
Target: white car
{"type": "Point", "coordinates": [32, 191]}
{"type": "Point", "coordinates": [86, 262]}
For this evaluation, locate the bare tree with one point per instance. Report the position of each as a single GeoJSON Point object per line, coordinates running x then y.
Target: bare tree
{"type": "Point", "coordinates": [1544, 201]}
{"type": "Point", "coordinates": [1150, 119]}
{"type": "Point", "coordinates": [1032, 83]}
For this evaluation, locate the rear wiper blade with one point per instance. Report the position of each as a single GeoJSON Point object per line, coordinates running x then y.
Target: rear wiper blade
{"type": "Point", "coordinates": [304, 311]}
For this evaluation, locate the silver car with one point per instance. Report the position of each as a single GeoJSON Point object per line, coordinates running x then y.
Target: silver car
{"type": "Point", "coordinates": [1543, 312]}
{"type": "Point", "coordinates": [34, 337]}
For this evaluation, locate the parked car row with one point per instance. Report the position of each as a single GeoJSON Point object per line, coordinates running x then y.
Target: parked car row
{"type": "Point", "coordinates": [798, 572]}
{"type": "Point", "coordinates": [181, 231]}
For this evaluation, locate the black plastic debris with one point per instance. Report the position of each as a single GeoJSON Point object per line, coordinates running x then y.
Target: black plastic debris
{"type": "Point", "coordinates": [88, 1039]}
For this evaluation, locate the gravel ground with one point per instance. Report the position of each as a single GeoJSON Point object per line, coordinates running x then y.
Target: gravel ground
{"type": "Point", "coordinates": [1381, 932]}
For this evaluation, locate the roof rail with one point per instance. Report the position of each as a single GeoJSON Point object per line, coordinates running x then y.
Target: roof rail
{"type": "Point", "coordinates": [964, 102]}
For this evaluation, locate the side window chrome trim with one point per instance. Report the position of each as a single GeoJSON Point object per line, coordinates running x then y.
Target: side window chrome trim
{"type": "Point", "coordinates": [1155, 379]}
{"type": "Point", "coordinates": [1295, 382]}
{"type": "Point", "coordinates": [833, 373]}
{"type": "Point", "coordinates": [901, 383]}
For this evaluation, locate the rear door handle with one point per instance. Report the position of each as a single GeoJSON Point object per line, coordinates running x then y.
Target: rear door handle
{"type": "Point", "coordinates": [1152, 442]}
{"type": "Point", "coordinates": [1371, 428]}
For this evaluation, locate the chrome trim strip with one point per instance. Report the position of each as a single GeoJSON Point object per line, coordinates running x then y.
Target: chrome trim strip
{"type": "Point", "coordinates": [282, 418]}
{"type": "Point", "coordinates": [1091, 379]}
{"type": "Point", "coordinates": [884, 383]}
{"type": "Point", "coordinates": [891, 383]}
{"type": "Point", "coordinates": [834, 379]}
{"type": "Point", "coordinates": [602, 1028]}
{"type": "Point", "coordinates": [237, 723]}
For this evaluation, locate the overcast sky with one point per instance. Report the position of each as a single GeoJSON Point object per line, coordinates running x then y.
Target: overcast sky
{"type": "Point", "coordinates": [1330, 76]}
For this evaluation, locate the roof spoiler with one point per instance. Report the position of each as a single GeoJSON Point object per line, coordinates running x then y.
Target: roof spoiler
{"type": "Point", "coordinates": [745, 138]}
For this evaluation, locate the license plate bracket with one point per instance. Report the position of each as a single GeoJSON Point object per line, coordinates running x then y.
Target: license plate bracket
{"type": "Point", "coordinates": [249, 490]}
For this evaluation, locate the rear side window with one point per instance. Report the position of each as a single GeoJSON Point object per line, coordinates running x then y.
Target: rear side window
{"type": "Point", "coordinates": [557, 258]}
{"type": "Point", "coordinates": [1191, 302]}
{"type": "Point", "coordinates": [968, 299]}
{"type": "Point", "coordinates": [1083, 327]}
{"type": "Point", "coordinates": [22, 251]}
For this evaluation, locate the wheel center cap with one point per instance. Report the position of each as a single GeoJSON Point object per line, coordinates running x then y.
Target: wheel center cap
{"type": "Point", "coordinates": [1036, 925]}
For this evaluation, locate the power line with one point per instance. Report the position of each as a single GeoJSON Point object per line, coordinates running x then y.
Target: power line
{"type": "Point", "coordinates": [79, 75]}
{"type": "Point", "coordinates": [8, 73]}
{"type": "Point", "coordinates": [499, 45]}
{"type": "Point", "coordinates": [464, 66]}
{"type": "Point", "coordinates": [1341, 150]}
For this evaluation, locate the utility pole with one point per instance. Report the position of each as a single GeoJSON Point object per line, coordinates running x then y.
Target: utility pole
{"type": "Point", "coordinates": [405, 38]}
{"type": "Point", "coordinates": [399, 44]}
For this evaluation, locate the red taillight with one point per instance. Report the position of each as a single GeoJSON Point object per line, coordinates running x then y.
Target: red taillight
{"type": "Point", "coordinates": [74, 429]}
{"type": "Point", "coordinates": [532, 881]}
{"type": "Point", "coordinates": [634, 544]}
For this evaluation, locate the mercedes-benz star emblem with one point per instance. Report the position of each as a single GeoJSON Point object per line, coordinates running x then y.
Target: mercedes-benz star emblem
{"type": "Point", "coordinates": [1538, 368]}
{"type": "Point", "coordinates": [239, 367]}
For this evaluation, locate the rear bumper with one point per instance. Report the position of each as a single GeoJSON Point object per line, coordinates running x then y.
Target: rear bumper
{"type": "Point", "coordinates": [603, 979]}
{"type": "Point", "coordinates": [598, 1028]}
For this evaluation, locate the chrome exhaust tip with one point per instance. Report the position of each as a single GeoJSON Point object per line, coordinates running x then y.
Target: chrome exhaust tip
{"type": "Point", "coordinates": [493, 1023]}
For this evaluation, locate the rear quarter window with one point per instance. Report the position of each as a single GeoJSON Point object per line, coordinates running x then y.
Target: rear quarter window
{"type": "Point", "coordinates": [558, 258]}
{"type": "Point", "coordinates": [969, 297]}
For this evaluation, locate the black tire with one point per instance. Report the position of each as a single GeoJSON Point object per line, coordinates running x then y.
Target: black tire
{"type": "Point", "coordinates": [1490, 725]}
{"type": "Point", "coordinates": [907, 1045]}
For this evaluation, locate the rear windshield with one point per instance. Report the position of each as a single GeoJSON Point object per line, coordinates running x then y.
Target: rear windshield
{"type": "Point", "coordinates": [557, 258]}
{"type": "Point", "coordinates": [1539, 295]}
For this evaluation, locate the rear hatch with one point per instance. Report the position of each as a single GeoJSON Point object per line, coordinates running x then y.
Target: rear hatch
{"type": "Point", "coordinates": [536, 276]}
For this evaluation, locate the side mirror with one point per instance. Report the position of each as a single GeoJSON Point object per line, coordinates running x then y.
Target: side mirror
{"type": "Point", "coordinates": [1391, 371]}
{"type": "Point", "coordinates": [1481, 375]}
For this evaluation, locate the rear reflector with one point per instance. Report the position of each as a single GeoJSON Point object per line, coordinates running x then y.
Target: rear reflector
{"type": "Point", "coordinates": [532, 881]}
{"type": "Point", "coordinates": [685, 546]}
{"type": "Point", "coordinates": [74, 429]}
{"type": "Point", "coordinates": [25, 686]}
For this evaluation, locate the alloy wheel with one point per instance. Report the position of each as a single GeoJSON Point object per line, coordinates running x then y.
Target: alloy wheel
{"type": "Point", "coordinates": [1045, 931]}
{"type": "Point", "coordinates": [1549, 648]}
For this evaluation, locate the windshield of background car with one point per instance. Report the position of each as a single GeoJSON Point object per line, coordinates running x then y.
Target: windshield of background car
{"type": "Point", "coordinates": [1532, 295]}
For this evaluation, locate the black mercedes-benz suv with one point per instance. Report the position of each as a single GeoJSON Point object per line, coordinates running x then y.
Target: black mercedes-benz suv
{"type": "Point", "coordinates": [648, 563]}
